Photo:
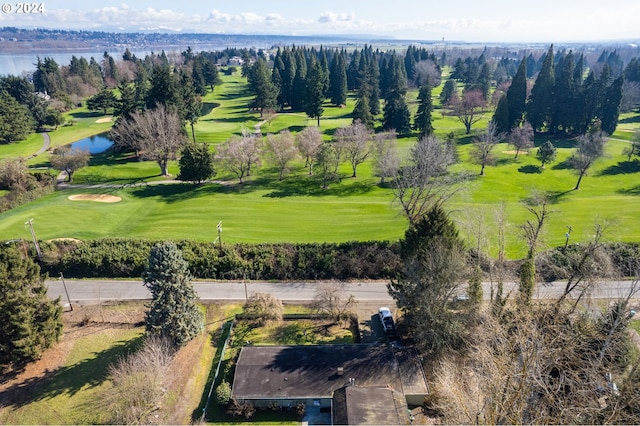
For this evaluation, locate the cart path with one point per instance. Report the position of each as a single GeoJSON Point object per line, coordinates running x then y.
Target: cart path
{"type": "Point", "coordinates": [46, 143]}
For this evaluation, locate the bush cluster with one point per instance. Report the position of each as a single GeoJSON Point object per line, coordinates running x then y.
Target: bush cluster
{"type": "Point", "coordinates": [126, 258]}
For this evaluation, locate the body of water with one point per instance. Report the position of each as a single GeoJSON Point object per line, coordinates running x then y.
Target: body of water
{"type": "Point", "coordinates": [94, 144]}
{"type": "Point", "coordinates": [19, 63]}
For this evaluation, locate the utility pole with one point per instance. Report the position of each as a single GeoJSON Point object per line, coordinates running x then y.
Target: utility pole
{"type": "Point", "coordinates": [566, 241]}
{"type": "Point", "coordinates": [65, 291]}
{"type": "Point", "coordinates": [33, 236]}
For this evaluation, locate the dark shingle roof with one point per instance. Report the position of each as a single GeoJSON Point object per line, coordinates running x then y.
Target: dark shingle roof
{"type": "Point", "coordinates": [354, 405]}
{"type": "Point", "coordinates": [309, 371]}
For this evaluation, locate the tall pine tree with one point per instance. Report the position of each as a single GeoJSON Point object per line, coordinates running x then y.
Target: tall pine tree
{"type": "Point", "coordinates": [173, 313]}
{"type": "Point", "coordinates": [31, 322]}
{"type": "Point", "coordinates": [539, 107]}
{"type": "Point", "coordinates": [422, 121]}
{"type": "Point", "coordinates": [517, 95]}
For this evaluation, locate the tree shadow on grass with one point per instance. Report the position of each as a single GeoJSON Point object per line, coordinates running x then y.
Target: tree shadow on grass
{"type": "Point", "coordinates": [530, 169]}
{"type": "Point", "coordinates": [622, 168]}
{"type": "Point", "coordinates": [634, 190]}
{"type": "Point", "coordinates": [207, 107]}
{"type": "Point", "coordinates": [564, 165]}
{"type": "Point", "coordinates": [86, 114]}
{"type": "Point", "coordinates": [312, 186]}
{"type": "Point", "coordinates": [632, 119]}
{"type": "Point", "coordinates": [70, 380]}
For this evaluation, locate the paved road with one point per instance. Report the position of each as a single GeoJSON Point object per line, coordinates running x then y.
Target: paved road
{"type": "Point", "coordinates": [97, 291]}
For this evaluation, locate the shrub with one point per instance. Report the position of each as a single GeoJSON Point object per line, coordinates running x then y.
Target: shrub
{"type": "Point", "coordinates": [223, 393]}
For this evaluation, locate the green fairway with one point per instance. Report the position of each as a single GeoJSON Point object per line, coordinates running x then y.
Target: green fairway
{"type": "Point", "coordinates": [297, 209]}
{"type": "Point", "coordinates": [249, 213]}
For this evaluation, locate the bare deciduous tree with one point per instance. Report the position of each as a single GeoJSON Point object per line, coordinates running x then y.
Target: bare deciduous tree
{"type": "Point", "coordinates": [538, 366]}
{"type": "Point", "coordinates": [330, 298]}
{"type": "Point", "coordinates": [590, 147]}
{"type": "Point", "coordinates": [327, 159]}
{"type": "Point", "coordinates": [585, 264]}
{"type": "Point", "coordinates": [424, 71]}
{"type": "Point", "coordinates": [157, 134]}
{"type": "Point", "coordinates": [425, 182]}
{"type": "Point", "coordinates": [483, 145]}
{"type": "Point", "coordinates": [14, 174]}
{"type": "Point", "coordinates": [280, 149]}
{"type": "Point", "coordinates": [69, 160]}
{"type": "Point", "coordinates": [264, 307]}
{"type": "Point", "coordinates": [238, 154]}
{"type": "Point", "coordinates": [521, 138]}
{"type": "Point", "coordinates": [353, 141]}
{"type": "Point", "coordinates": [469, 108]}
{"type": "Point", "coordinates": [538, 206]}
{"type": "Point", "coordinates": [309, 141]}
{"type": "Point", "coordinates": [137, 383]}
{"type": "Point", "coordinates": [384, 152]}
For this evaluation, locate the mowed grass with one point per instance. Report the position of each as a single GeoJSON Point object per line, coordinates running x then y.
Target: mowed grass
{"type": "Point", "coordinates": [289, 211]}
{"type": "Point", "coordinates": [297, 209]}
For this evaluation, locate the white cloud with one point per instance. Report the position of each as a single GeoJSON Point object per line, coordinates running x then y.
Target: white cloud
{"type": "Point", "coordinates": [588, 23]}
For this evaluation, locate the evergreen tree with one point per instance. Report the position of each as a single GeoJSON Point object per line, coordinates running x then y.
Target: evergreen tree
{"type": "Point", "coordinates": [191, 101]}
{"type": "Point", "coordinates": [373, 87]}
{"type": "Point", "coordinates": [164, 90]}
{"type": "Point", "coordinates": [517, 95]}
{"type": "Point", "coordinates": [396, 112]}
{"type": "Point", "coordinates": [196, 163]}
{"type": "Point", "coordinates": [262, 87]}
{"type": "Point", "coordinates": [338, 80]}
{"type": "Point", "coordinates": [298, 88]}
{"type": "Point", "coordinates": [422, 121]}
{"type": "Point", "coordinates": [362, 110]}
{"type": "Point", "coordinates": [211, 74]}
{"type": "Point", "coordinates": [546, 154]}
{"type": "Point", "coordinates": [314, 95]}
{"type": "Point", "coordinates": [501, 116]}
{"type": "Point", "coordinates": [610, 110]}
{"type": "Point", "coordinates": [448, 90]}
{"type": "Point", "coordinates": [173, 313]}
{"type": "Point", "coordinates": [102, 101]}
{"type": "Point", "coordinates": [31, 322]}
{"type": "Point", "coordinates": [15, 119]}
{"type": "Point", "coordinates": [127, 104]}
{"type": "Point", "coordinates": [564, 97]}
{"type": "Point", "coordinates": [433, 268]}
{"type": "Point", "coordinates": [539, 107]}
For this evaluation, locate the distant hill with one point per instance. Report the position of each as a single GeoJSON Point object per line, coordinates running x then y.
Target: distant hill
{"type": "Point", "coordinates": [45, 40]}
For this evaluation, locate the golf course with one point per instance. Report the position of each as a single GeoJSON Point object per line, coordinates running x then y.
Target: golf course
{"type": "Point", "coordinates": [297, 208]}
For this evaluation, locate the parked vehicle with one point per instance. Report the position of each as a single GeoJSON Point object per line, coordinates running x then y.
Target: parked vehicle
{"type": "Point", "coordinates": [387, 320]}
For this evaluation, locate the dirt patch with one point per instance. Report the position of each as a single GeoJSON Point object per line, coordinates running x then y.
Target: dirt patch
{"type": "Point", "coordinates": [513, 152]}
{"type": "Point", "coordinates": [73, 240]}
{"type": "Point", "coordinates": [101, 198]}
{"type": "Point", "coordinates": [104, 120]}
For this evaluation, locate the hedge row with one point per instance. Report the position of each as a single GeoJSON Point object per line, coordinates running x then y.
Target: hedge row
{"type": "Point", "coordinates": [126, 258]}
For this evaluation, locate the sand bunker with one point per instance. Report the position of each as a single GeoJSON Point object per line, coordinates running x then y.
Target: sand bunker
{"type": "Point", "coordinates": [104, 120]}
{"type": "Point", "coordinates": [102, 198]}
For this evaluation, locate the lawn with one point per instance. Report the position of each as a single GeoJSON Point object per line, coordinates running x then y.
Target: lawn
{"type": "Point", "coordinates": [297, 209]}
{"type": "Point", "coordinates": [68, 384]}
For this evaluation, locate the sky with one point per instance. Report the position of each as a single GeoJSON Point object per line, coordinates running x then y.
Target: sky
{"type": "Point", "coordinates": [459, 20]}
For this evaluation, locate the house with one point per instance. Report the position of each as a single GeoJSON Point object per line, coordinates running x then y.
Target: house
{"type": "Point", "coordinates": [357, 383]}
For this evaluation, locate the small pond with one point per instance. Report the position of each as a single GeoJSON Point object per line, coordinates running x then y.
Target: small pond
{"type": "Point", "coordinates": [94, 144]}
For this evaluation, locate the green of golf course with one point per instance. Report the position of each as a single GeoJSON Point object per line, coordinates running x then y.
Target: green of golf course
{"type": "Point", "coordinates": [298, 209]}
